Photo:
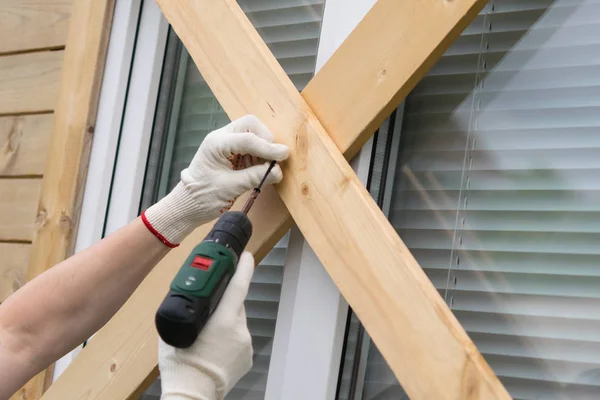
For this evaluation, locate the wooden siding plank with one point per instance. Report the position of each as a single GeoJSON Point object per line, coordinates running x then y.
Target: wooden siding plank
{"type": "Point", "coordinates": [131, 333]}
{"type": "Point", "coordinates": [24, 144]}
{"type": "Point", "coordinates": [18, 204]}
{"type": "Point", "coordinates": [33, 24]}
{"type": "Point", "coordinates": [29, 82]}
{"type": "Point", "coordinates": [12, 268]}
{"type": "Point", "coordinates": [68, 153]}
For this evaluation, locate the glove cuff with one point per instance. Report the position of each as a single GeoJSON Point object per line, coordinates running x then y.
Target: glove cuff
{"type": "Point", "coordinates": [174, 217]}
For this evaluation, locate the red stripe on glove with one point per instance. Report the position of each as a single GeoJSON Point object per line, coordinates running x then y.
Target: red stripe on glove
{"type": "Point", "coordinates": [156, 233]}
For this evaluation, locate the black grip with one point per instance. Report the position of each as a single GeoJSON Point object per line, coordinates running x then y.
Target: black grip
{"type": "Point", "coordinates": [180, 318]}
{"type": "Point", "coordinates": [233, 230]}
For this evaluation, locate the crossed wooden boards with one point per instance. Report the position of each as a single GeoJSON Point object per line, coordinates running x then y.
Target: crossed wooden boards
{"type": "Point", "coordinates": [372, 71]}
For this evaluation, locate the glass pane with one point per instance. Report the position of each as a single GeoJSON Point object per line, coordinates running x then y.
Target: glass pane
{"type": "Point", "coordinates": [497, 194]}
{"type": "Point", "coordinates": [187, 111]}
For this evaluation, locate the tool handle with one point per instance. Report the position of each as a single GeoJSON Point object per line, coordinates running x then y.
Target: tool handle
{"type": "Point", "coordinates": [194, 294]}
{"type": "Point", "coordinates": [200, 283]}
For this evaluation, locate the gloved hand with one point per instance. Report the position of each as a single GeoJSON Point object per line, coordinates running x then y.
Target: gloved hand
{"type": "Point", "coordinates": [221, 355]}
{"type": "Point", "coordinates": [230, 161]}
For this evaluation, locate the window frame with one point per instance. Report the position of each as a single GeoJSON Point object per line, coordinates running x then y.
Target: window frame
{"type": "Point", "coordinates": [301, 315]}
{"type": "Point", "coordinates": [138, 118]}
{"type": "Point", "coordinates": [114, 184]}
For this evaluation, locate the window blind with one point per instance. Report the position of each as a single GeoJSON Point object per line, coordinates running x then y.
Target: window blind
{"type": "Point", "coordinates": [497, 194]}
{"type": "Point", "coordinates": [291, 29]}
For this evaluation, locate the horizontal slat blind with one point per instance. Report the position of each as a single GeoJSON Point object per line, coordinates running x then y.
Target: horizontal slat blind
{"type": "Point", "coordinates": [291, 29]}
{"type": "Point", "coordinates": [497, 194]}
{"type": "Point", "coordinates": [261, 309]}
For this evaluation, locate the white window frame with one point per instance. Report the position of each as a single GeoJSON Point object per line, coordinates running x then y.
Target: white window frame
{"type": "Point", "coordinates": [138, 118]}
{"type": "Point", "coordinates": [309, 332]}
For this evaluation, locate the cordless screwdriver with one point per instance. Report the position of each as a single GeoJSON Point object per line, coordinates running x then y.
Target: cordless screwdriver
{"type": "Point", "coordinates": [201, 281]}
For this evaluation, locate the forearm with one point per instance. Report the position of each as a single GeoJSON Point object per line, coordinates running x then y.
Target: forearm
{"type": "Point", "coordinates": [68, 303]}
{"type": "Point", "coordinates": [64, 306]}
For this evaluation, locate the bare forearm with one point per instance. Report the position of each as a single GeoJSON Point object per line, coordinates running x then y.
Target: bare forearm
{"type": "Point", "coordinates": [64, 306]}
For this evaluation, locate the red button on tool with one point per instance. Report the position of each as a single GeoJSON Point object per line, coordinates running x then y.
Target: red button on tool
{"type": "Point", "coordinates": [202, 263]}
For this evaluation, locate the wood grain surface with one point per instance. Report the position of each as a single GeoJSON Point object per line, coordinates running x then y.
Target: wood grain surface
{"type": "Point", "coordinates": [26, 25]}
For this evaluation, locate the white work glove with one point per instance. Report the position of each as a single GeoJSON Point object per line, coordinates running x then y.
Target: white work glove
{"type": "Point", "coordinates": [221, 355]}
{"type": "Point", "coordinates": [230, 161]}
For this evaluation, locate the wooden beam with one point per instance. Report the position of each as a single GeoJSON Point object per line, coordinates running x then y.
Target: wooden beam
{"type": "Point", "coordinates": [26, 25]}
{"type": "Point", "coordinates": [24, 144]}
{"type": "Point", "coordinates": [29, 82]}
{"type": "Point", "coordinates": [12, 267]}
{"type": "Point", "coordinates": [68, 153]}
{"type": "Point", "coordinates": [424, 344]}
{"type": "Point", "coordinates": [382, 60]}
{"type": "Point", "coordinates": [18, 204]}
{"type": "Point", "coordinates": [131, 332]}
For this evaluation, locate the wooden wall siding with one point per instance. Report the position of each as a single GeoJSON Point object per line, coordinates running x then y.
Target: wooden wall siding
{"type": "Point", "coordinates": [33, 34]}
{"type": "Point", "coordinates": [59, 203]}
{"type": "Point", "coordinates": [12, 274]}
{"type": "Point", "coordinates": [23, 144]}
{"type": "Point", "coordinates": [29, 82]}
{"type": "Point", "coordinates": [18, 204]}
{"type": "Point", "coordinates": [27, 25]}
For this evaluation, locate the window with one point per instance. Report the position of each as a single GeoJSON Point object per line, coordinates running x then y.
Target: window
{"type": "Point", "coordinates": [154, 107]}
{"type": "Point", "coordinates": [496, 193]}
{"type": "Point", "coordinates": [187, 111]}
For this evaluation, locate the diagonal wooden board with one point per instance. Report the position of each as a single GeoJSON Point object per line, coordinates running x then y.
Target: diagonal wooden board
{"type": "Point", "coordinates": [131, 333]}
{"type": "Point", "coordinates": [375, 272]}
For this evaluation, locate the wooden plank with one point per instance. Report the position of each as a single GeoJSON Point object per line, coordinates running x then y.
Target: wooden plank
{"type": "Point", "coordinates": [361, 84]}
{"type": "Point", "coordinates": [12, 268]}
{"type": "Point", "coordinates": [29, 82]}
{"type": "Point", "coordinates": [424, 344]}
{"type": "Point", "coordinates": [33, 24]}
{"type": "Point", "coordinates": [131, 334]}
{"type": "Point", "coordinates": [24, 144]}
{"type": "Point", "coordinates": [68, 154]}
{"type": "Point", "coordinates": [18, 205]}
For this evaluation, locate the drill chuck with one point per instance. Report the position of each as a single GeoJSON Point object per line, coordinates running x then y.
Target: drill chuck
{"type": "Point", "coordinates": [200, 283]}
{"type": "Point", "coordinates": [233, 230]}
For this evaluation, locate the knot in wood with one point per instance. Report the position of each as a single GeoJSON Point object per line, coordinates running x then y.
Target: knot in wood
{"type": "Point", "coordinates": [382, 75]}
{"type": "Point", "coordinates": [305, 189]}
{"type": "Point", "coordinates": [65, 223]}
{"type": "Point", "coordinates": [8, 151]}
{"type": "Point", "coordinates": [41, 219]}
{"type": "Point", "coordinates": [14, 136]}
{"type": "Point", "coordinates": [21, 394]}
{"type": "Point", "coordinates": [346, 179]}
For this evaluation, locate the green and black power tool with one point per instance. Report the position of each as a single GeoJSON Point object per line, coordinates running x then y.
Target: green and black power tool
{"type": "Point", "coordinates": [200, 283]}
